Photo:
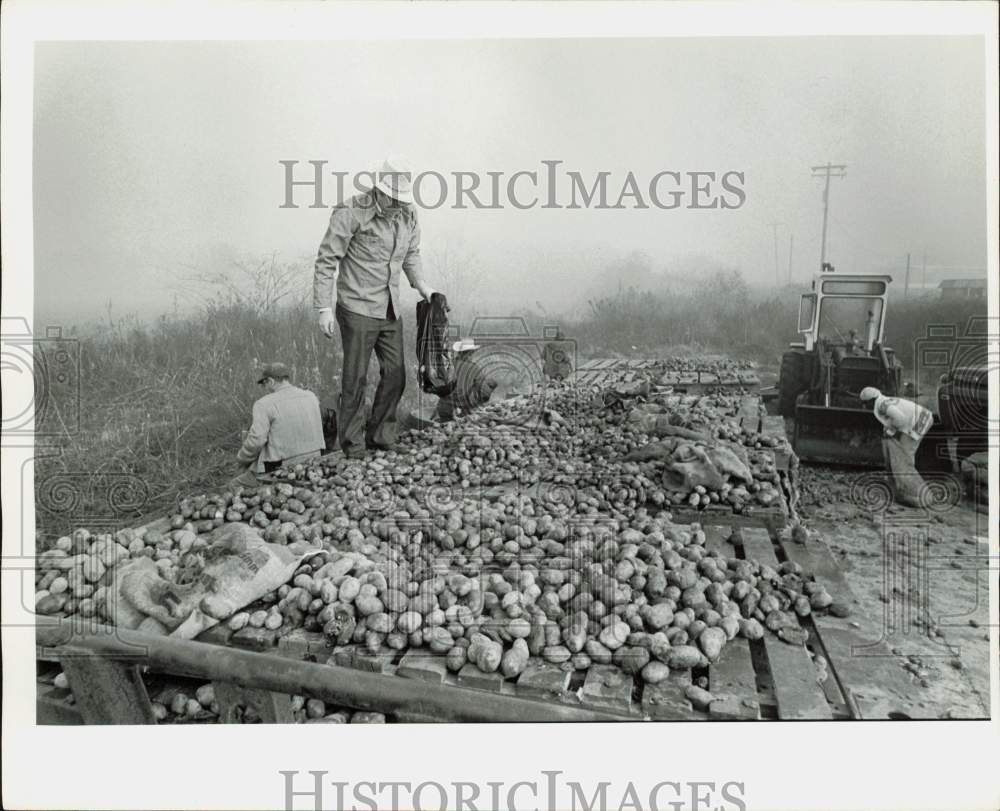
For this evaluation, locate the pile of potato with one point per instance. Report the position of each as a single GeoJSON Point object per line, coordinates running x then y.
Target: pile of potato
{"type": "Point", "coordinates": [445, 545]}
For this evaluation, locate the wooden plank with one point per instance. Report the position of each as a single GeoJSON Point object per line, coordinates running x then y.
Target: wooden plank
{"type": "Point", "coordinates": [52, 707]}
{"type": "Point", "coordinates": [793, 674]}
{"type": "Point", "coordinates": [472, 676]}
{"type": "Point", "coordinates": [798, 694]}
{"type": "Point", "coordinates": [666, 701]}
{"type": "Point", "coordinates": [545, 680]}
{"type": "Point", "coordinates": [216, 635]}
{"type": "Point", "coordinates": [733, 682]}
{"type": "Point", "coordinates": [757, 546]}
{"type": "Point", "coordinates": [106, 691]}
{"type": "Point", "coordinates": [868, 676]}
{"type": "Point", "coordinates": [273, 708]}
{"type": "Point", "coordinates": [749, 408]}
{"type": "Point", "coordinates": [774, 426]}
{"type": "Point", "coordinates": [874, 684]}
{"type": "Point", "coordinates": [424, 665]}
{"type": "Point", "coordinates": [717, 540]}
{"type": "Point", "coordinates": [254, 639]}
{"type": "Point", "coordinates": [300, 643]}
{"type": "Point", "coordinates": [607, 687]}
{"type": "Point", "coordinates": [380, 662]}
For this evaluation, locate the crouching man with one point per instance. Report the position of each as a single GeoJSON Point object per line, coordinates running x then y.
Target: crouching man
{"type": "Point", "coordinates": [905, 423]}
{"type": "Point", "coordinates": [287, 426]}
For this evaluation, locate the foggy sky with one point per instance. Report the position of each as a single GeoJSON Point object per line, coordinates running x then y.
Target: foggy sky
{"type": "Point", "coordinates": [151, 157]}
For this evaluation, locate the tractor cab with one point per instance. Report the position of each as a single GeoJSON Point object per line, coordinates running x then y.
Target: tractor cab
{"type": "Point", "coordinates": [842, 324]}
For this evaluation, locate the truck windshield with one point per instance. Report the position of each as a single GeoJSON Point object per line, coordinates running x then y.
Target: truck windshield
{"type": "Point", "coordinates": [840, 316]}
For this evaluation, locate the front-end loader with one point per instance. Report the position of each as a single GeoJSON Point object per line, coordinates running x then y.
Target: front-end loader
{"type": "Point", "coordinates": [841, 321]}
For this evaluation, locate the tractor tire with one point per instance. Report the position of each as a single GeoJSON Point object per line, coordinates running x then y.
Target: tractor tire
{"type": "Point", "coordinates": [792, 381]}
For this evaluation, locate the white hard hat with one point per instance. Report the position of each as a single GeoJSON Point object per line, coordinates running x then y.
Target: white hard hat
{"type": "Point", "coordinates": [393, 177]}
{"type": "Point", "coordinates": [869, 393]}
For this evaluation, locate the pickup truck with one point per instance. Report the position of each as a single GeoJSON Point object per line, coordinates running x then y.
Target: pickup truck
{"type": "Point", "coordinates": [963, 407]}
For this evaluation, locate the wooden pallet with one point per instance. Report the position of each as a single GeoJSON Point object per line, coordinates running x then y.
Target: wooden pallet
{"type": "Point", "coordinates": [765, 679]}
{"type": "Point", "coordinates": [751, 681]}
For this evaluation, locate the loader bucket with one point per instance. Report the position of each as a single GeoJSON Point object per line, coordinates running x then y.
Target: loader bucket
{"type": "Point", "coordinates": [841, 436]}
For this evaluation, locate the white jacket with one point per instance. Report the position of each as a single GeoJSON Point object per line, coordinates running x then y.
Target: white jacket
{"type": "Point", "coordinates": [903, 416]}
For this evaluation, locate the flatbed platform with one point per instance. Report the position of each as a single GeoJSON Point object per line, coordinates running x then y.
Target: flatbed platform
{"type": "Point", "coordinates": [753, 680]}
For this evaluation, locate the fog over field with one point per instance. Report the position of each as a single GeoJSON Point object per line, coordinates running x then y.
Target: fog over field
{"type": "Point", "coordinates": [156, 161]}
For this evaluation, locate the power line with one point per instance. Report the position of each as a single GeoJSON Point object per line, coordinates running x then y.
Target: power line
{"type": "Point", "coordinates": [827, 171]}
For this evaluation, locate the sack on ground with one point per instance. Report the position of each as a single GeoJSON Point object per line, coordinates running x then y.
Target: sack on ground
{"type": "Point", "coordinates": [907, 483]}
{"type": "Point", "coordinates": [236, 568]}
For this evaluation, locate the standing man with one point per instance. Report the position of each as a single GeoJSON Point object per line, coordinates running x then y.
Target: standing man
{"type": "Point", "coordinates": [905, 424]}
{"type": "Point", "coordinates": [370, 239]}
{"type": "Point", "coordinates": [287, 426]}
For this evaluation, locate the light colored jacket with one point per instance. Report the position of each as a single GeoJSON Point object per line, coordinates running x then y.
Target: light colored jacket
{"type": "Point", "coordinates": [903, 416]}
{"type": "Point", "coordinates": [286, 424]}
{"type": "Point", "coordinates": [369, 248]}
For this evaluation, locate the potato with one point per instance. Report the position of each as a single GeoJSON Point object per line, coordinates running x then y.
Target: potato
{"type": "Point", "coordinates": [315, 708]}
{"type": "Point", "coordinates": [61, 682]}
{"type": "Point", "coordinates": [348, 589]}
{"type": "Point", "coordinates": [751, 629]}
{"type": "Point", "coordinates": [159, 711]}
{"type": "Point", "coordinates": [556, 654]}
{"type": "Point", "coordinates": [631, 659]}
{"type": "Point", "coordinates": [711, 641]}
{"type": "Point", "coordinates": [684, 657]}
{"type": "Point", "coordinates": [486, 657]}
{"type": "Point", "coordinates": [456, 658]}
{"type": "Point", "coordinates": [614, 635]}
{"type": "Point", "coordinates": [409, 622]}
{"type": "Point", "coordinates": [178, 704]}
{"type": "Point", "coordinates": [655, 672]}
{"type": "Point", "coordinates": [368, 718]}
{"type": "Point", "coordinates": [273, 620]}
{"type": "Point", "coordinates": [381, 623]}
{"type": "Point", "coordinates": [515, 659]}
{"type": "Point", "coordinates": [701, 699]}
{"type": "Point", "coordinates": [440, 641]}
{"type": "Point", "coordinates": [793, 635]}
{"type": "Point", "coordinates": [93, 569]}
{"type": "Point", "coordinates": [58, 585]}
{"type": "Point", "coordinates": [205, 695]}
{"type": "Point", "coordinates": [519, 628]}
{"type": "Point", "coordinates": [367, 604]}
{"type": "Point", "coordinates": [575, 636]}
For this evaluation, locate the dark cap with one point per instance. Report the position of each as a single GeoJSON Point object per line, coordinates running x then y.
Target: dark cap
{"type": "Point", "coordinates": [278, 371]}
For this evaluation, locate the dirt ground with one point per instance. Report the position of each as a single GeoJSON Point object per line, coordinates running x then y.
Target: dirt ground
{"type": "Point", "coordinates": [921, 579]}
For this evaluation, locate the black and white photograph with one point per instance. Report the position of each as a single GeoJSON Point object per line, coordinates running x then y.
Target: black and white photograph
{"type": "Point", "coordinates": [375, 367]}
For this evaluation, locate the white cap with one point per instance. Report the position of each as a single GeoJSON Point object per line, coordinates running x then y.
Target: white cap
{"type": "Point", "coordinates": [393, 177]}
{"type": "Point", "coordinates": [869, 393]}
{"type": "Point", "coordinates": [465, 345]}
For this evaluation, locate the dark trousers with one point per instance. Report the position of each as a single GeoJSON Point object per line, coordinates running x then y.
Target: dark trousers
{"type": "Point", "coordinates": [359, 336]}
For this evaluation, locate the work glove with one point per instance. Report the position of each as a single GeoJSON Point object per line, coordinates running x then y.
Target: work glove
{"type": "Point", "coordinates": [327, 324]}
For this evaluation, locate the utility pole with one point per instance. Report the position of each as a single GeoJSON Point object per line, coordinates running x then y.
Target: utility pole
{"type": "Point", "coordinates": [924, 283]}
{"type": "Point", "coordinates": [791, 241]}
{"type": "Point", "coordinates": [777, 273]}
{"type": "Point", "coordinates": [827, 171]}
{"type": "Point", "coordinates": [906, 283]}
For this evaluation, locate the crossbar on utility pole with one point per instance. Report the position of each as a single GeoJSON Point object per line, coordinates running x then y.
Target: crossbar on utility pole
{"type": "Point", "coordinates": [827, 171]}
